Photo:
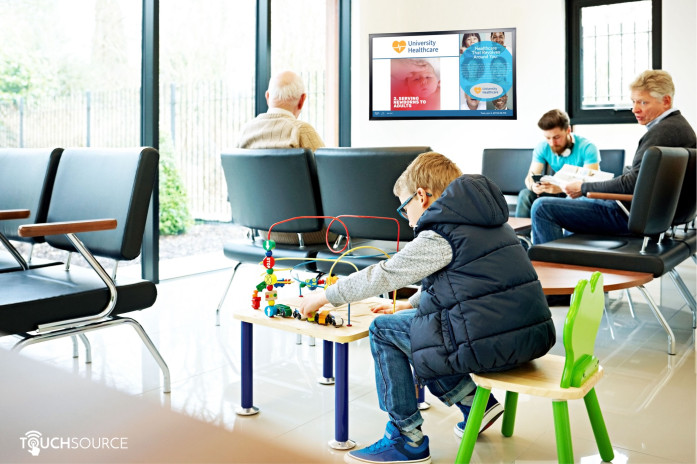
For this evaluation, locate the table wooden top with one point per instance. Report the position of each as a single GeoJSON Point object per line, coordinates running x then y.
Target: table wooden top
{"type": "Point", "coordinates": [561, 279]}
{"type": "Point", "coordinates": [361, 317]}
{"type": "Point", "coordinates": [519, 224]}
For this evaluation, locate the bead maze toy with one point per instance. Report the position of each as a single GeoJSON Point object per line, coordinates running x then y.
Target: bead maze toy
{"type": "Point", "coordinates": [268, 287]}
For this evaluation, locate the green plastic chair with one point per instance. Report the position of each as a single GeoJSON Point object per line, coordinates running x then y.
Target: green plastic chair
{"type": "Point", "coordinates": [560, 378]}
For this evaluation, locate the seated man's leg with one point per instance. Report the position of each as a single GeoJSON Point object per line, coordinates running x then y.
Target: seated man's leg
{"type": "Point", "coordinates": [550, 216]}
{"type": "Point", "coordinates": [525, 199]}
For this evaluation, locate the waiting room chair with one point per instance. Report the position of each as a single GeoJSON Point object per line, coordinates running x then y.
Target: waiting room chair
{"type": "Point", "coordinates": [507, 168]}
{"type": "Point", "coordinates": [653, 207]}
{"type": "Point", "coordinates": [359, 181]}
{"type": "Point", "coordinates": [683, 226]}
{"type": "Point", "coordinates": [559, 378]}
{"type": "Point", "coordinates": [612, 161]}
{"type": "Point", "coordinates": [266, 186]}
{"type": "Point", "coordinates": [53, 302]}
{"type": "Point", "coordinates": [26, 183]}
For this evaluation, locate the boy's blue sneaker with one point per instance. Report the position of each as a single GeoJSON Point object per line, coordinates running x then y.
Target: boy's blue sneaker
{"type": "Point", "coordinates": [492, 412]}
{"type": "Point", "coordinates": [392, 448]}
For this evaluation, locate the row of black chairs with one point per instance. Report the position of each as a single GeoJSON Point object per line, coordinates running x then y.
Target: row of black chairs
{"type": "Point", "coordinates": [267, 186]}
{"type": "Point", "coordinates": [86, 200]}
{"type": "Point", "coordinates": [508, 167]}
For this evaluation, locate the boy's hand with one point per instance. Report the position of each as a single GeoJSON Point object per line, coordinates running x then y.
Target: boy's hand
{"type": "Point", "coordinates": [312, 302]}
{"type": "Point", "coordinates": [386, 308]}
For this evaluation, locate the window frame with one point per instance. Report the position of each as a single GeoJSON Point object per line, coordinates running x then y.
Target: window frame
{"type": "Point", "coordinates": [574, 74]}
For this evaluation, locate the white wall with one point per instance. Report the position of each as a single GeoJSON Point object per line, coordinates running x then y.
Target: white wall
{"type": "Point", "coordinates": [541, 64]}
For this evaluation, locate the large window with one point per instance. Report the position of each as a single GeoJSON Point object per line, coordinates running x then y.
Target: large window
{"type": "Point", "coordinates": [609, 43]}
{"type": "Point", "coordinates": [307, 44]}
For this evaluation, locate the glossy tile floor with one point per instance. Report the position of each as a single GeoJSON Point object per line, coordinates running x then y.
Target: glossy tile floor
{"type": "Point", "coordinates": [647, 396]}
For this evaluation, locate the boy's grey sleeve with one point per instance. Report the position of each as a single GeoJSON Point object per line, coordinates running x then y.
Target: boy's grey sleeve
{"type": "Point", "coordinates": [426, 254]}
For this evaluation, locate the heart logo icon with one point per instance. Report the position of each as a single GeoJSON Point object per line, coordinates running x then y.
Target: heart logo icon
{"type": "Point", "coordinates": [477, 89]}
{"type": "Point", "coordinates": [399, 46]}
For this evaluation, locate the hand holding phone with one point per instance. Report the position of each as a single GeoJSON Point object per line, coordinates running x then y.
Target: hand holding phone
{"type": "Point", "coordinates": [536, 178]}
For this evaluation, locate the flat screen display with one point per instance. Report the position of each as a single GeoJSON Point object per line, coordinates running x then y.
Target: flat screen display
{"type": "Point", "coordinates": [466, 74]}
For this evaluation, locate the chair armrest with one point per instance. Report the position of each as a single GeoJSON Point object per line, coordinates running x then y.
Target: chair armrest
{"type": "Point", "coordinates": [609, 196]}
{"type": "Point", "coordinates": [14, 214]}
{"type": "Point", "coordinates": [72, 227]}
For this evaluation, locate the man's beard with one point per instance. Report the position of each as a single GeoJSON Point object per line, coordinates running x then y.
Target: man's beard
{"type": "Point", "coordinates": [560, 150]}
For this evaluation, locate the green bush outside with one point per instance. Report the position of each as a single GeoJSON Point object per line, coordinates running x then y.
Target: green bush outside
{"type": "Point", "coordinates": [175, 217]}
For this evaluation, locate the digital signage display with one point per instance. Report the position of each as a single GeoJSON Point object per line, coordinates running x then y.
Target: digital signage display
{"type": "Point", "coordinates": [466, 74]}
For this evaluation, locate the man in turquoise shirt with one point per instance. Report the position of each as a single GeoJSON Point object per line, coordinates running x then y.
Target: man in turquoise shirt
{"type": "Point", "coordinates": [561, 147]}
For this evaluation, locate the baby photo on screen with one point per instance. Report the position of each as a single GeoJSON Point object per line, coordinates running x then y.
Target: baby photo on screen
{"type": "Point", "coordinates": [415, 84]}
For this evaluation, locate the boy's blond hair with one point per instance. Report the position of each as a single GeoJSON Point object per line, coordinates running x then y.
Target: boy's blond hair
{"type": "Point", "coordinates": [429, 170]}
{"type": "Point", "coordinates": [655, 81]}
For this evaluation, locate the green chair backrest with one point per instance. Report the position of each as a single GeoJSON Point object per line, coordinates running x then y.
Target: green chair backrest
{"type": "Point", "coordinates": [580, 330]}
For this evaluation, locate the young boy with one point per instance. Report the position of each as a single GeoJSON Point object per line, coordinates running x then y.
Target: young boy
{"type": "Point", "coordinates": [480, 307]}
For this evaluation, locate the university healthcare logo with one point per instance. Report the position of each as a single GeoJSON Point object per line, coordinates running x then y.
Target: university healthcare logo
{"type": "Point", "coordinates": [399, 45]}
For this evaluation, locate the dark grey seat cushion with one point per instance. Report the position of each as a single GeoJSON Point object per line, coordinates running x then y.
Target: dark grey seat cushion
{"type": "Point", "coordinates": [52, 294]}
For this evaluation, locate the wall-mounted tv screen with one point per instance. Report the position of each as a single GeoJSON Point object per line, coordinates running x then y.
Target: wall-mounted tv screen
{"type": "Point", "coordinates": [467, 74]}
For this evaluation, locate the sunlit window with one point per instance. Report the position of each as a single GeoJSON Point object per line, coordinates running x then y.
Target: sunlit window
{"type": "Point", "coordinates": [616, 47]}
{"type": "Point", "coordinates": [609, 43]}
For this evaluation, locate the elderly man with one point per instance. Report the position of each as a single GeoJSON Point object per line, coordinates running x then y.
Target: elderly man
{"type": "Point", "coordinates": [280, 127]}
{"type": "Point", "coordinates": [652, 104]}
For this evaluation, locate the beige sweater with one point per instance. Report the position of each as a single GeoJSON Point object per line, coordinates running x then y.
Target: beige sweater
{"type": "Point", "coordinates": [279, 129]}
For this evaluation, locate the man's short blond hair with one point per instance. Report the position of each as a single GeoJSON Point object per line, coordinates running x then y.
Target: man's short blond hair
{"type": "Point", "coordinates": [429, 170]}
{"type": "Point", "coordinates": [655, 81]}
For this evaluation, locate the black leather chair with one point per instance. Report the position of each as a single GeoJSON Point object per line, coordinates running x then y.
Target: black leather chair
{"type": "Point", "coordinates": [53, 302]}
{"type": "Point", "coordinates": [612, 161]}
{"type": "Point", "coordinates": [652, 210]}
{"type": "Point", "coordinates": [507, 168]}
{"type": "Point", "coordinates": [359, 181]}
{"type": "Point", "coordinates": [26, 183]}
{"type": "Point", "coordinates": [683, 226]}
{"type": "Point", "coordinates": [266, 186]}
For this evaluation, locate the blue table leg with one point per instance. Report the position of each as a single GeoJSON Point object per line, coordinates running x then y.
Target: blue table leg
{"type": "Point", "coordinates": [247, 408]}
{"type": "Point", "coordinates": [327, 366]}
{"type": "Point", "coordinates": [341, 440]}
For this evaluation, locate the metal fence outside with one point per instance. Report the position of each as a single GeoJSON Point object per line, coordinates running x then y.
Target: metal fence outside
{"type": "Point", "coordinates": [200, 119]}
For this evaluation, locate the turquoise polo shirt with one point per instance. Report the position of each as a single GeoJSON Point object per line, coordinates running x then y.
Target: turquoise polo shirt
{"type": "Point", "coordinates": [583, 152]}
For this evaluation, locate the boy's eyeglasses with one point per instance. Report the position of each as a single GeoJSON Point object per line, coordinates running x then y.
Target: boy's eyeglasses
{"type": "Point", "coordinates": [402, 212]}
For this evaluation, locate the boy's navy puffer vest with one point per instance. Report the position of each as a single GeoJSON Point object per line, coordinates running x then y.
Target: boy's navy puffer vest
{"type": "Point", "coordinates": [485, 311]}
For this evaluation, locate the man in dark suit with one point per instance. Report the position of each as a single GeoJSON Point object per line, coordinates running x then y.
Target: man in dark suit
{"type": "Point", "coordinates": [652, 104]}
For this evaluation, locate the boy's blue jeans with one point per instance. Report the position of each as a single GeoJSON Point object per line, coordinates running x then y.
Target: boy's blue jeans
{"type": "Point", "coordinates": [391, 347]}
{"type": "Point", "coordinates": [581, 215]}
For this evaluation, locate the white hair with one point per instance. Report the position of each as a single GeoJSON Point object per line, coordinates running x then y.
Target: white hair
{"type": "Point", "coordinates": [286, 87]}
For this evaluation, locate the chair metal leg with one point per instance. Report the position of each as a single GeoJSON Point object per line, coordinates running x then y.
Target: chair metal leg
{"type": "Point", "coordinates": [222, 300]}
{"type": "Point", "coordinates": [509, 412]}
{"type": "Point", "coordinates": [474, 421]}
{"type": "Point", "coordinates": [686, 294]}
{"type": "Point", "coordinates": [630, 302]}
{"type": "Point", "coordinates": [88, 347]}
{"type": "Point", "coordinates": [598, 425]}
{"type": "Point", "coordinates": [607, 316]}
{"type": "Point", "coordinates": [661, 319]}
{"type": "Point", "coordinates": [116, 320]}
{"type": "Point", "coordinates": [76, 352]}
{"type": "Point", "coordinates": [153, 350]}
{"type": "Point", "coordinates": [562, 430]}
